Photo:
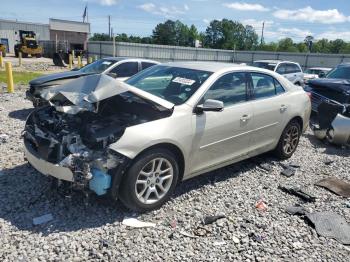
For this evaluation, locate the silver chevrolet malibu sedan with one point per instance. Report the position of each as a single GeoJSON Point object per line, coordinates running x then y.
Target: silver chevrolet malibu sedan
{"type": "Point", "coordinates": [135, 141]}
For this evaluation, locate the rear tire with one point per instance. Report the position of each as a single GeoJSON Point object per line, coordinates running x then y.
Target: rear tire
{"type": "Point", "coordinates": [38, 55]}
{"type": "Point", "coordinates": [150, 181]}
{"type": "Point", "coordinates": [289, 140]}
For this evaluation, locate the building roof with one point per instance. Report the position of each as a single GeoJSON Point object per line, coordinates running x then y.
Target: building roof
{"type": "Point", "coordinates": [70, 26]}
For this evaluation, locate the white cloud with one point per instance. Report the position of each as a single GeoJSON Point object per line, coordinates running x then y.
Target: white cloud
{"type": "Point", "coordinates": [206, 21]}
{"type": "Point", "coordinates": [257, 24]}
{"type": "Point", "coordinates": [295, 33]}
{"type": "Point", "coordinates": [308, 14]}
{"type": "Point", "coordinates": [166, 11]}
{"type": "Point", "coordinates": [108, 2]}
{"type": "Point", "coordinates": [241, 6]}
{"type": "Point", "coordinates": [332, 35]}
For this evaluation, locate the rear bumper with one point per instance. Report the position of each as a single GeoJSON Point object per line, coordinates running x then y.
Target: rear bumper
{"type": "Point", "coordinates": [45, 167]}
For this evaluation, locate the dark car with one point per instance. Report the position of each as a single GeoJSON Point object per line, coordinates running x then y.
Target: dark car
{"type": "Point", "coordinates": [117, 67]}
{"type": "Point", "coordinates": [334, 87]}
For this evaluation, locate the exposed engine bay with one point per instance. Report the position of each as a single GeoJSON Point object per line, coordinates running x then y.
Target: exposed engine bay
{"type": "Point", "coordinates": [80, 141]}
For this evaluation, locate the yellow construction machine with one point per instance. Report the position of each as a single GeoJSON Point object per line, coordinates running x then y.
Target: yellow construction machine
{"type": "Point", "coordinates": [28, 45]}
{"type": "Point", "coordinates": [3, 49]}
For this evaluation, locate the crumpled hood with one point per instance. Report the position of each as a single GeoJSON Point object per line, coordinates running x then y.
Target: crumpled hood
{"type": "Point", "coordinates": [81, 94]}
{"type": "Point", "coordinates": [340, 85]}
{"type": "Point", "coordinates": [58, 76]}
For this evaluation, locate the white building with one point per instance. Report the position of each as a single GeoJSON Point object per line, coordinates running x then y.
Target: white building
{"type": "Point", "coordinates": [73, 32]}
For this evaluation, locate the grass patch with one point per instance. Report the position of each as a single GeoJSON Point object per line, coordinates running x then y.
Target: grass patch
{"type": "Point", "coordinates": [19, 77]}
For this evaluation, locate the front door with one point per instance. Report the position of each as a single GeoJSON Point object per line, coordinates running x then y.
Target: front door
{"type": "Point", "coordinates": [223, 136]}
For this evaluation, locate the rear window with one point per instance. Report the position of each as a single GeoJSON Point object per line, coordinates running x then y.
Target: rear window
{"type": "Point", "coordinates": [146, 65]}
{"type": "Point", "coordinates": [265, 65]}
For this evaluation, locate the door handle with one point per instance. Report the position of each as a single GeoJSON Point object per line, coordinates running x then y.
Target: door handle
{"type": "Point", "coordinates": [245, 118]}
{"type": "Point", "coordinates": [283, 108]}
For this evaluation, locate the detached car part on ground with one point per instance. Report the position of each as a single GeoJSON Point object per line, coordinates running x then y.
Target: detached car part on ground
{"type": "Point", "coordinates": [137, 140]}
{"type": "Point", "coordinates": [334, 123]}
{"type": "Point", "coordinates": [117, 67]}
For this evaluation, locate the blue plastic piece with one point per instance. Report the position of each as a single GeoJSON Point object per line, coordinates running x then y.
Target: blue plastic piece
{"type": "Point", "coordinates": [100, 182]}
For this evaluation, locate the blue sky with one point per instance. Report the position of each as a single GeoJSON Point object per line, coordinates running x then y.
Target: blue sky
{"type": "Point", "coordinates": [295, 19]}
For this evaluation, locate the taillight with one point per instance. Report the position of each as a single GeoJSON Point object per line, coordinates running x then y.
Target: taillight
{"type": "Point", "coordinates": [309, 95]}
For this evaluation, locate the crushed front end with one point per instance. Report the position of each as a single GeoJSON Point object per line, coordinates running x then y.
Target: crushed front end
{"type": "Point", "coordinates": [74, 147]}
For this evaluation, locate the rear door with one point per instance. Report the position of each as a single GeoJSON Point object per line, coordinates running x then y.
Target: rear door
{"type": "Point", "coordinates": [270, 106]}
{"type": "Point", "coordinates": [223, 136]}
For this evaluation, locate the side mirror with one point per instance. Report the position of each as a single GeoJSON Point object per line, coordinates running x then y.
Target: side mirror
{"type": "Point", "coordinates": [322, 75]}
{"type": "Point", "coordinates": [114, 75]}
{"type": "Point", "coordinates": [210, 105]}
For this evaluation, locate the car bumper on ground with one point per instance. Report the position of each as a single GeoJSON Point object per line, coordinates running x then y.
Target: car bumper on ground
{"type": "Point", "coordinates": [45, 167]}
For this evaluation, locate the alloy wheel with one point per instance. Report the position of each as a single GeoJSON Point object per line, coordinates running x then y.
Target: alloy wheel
{"type": "Point", "coordinates": [154, 180]}
{"type": "Point", "coordinates": [291, 139]}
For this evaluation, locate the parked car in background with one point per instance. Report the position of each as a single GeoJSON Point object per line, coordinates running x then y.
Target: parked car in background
{"type": "Point", "coordinates": [334, 87]}
{"type": "Point", "coordinates": [315, 72]}
{"type": "Point", "coordinates": [120, 68]}
{"type": "Point", "coordinates": [136, 140]}
{"type": "Point", "coordinates": [290, 70]}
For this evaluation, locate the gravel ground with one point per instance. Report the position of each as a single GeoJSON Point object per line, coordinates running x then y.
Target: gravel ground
{"type": "Point", "coordinates": [92, 229]}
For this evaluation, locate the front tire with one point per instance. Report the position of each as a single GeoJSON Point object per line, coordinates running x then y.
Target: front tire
{"type": "Point", "coordinates": [150, 181]}
{"type": "Point", "coordinates": [289, 140]}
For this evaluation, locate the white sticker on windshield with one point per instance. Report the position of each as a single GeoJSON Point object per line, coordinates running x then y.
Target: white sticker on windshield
{"type": "Point", "coordinates": [184, 81]}
{"type": "Point", "coordinates": [106, 63]}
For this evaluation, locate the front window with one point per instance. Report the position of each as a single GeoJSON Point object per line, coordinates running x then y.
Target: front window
{"type": "Point", "coordinates": [98, 66]}
{"type": "Point", "coordinates": [265, 65]}
{"type": "Point", "coordinates": [340, 73]}
{"type": "Point", "coordinates": [230, 89]}
{"type": "Point", "coordinates": [174, 84]}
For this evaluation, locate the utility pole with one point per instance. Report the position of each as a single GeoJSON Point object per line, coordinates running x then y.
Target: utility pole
{"type": "Point", "coordinates": [262, 33]}
{"type": "Point", "coordinates": [109, 26]}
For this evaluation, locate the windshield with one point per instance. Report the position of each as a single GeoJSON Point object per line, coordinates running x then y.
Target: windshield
{"type": "Point", "coordinates": [98, 66]}
{"type": "Point", "coordinates": [265, 65]}
{"type": "Point", "coordinates": [174, 84]}
{"type": "Point", "coordinates": [341, 72]}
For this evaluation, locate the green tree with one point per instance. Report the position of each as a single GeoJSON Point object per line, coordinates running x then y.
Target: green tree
{"type": "Point", "coordinates": [321, 46]}
{"type": "Point", "coordinates": [99, 37]}
{"type": "Point", "coordinates": [336, 46]}
{"type": "Point", "coordinates": [286, 45]}
{"type": "Point", "coordinates": [193, 35]}
{"type": "Point", "coordinates": [164, 33]}
{"type": "Point", "coordinates": [228, 34]}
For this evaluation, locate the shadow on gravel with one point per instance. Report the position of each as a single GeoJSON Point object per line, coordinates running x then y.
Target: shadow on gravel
{"type": "Point", "coordinates": [224, 173]}
{"type": "Point", "coordinates": [21, 114]}
{"type": "Point", "coordinates": [26, 194]}
{"type": "Point", "coordinates": [329, 149]}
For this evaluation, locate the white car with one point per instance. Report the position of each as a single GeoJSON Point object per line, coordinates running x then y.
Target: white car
{"type": "Point", "coordinates": [120, 68]}
{"type": "Point", "coordinates": [290, 70]}
{"type": "Point", "coordinates": [315, 72]}
{"type": "Point", "coordinates": [136, 140]}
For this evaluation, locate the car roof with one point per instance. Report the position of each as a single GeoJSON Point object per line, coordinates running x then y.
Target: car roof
{"type": "Point", "coordinates": [206, 66]}
{"type": "Point", "coordinates": [120, 58]}
{"type": "Point", "coordinates": [275, 61]}
{"type": "Point", "coordinates": [320, 68]}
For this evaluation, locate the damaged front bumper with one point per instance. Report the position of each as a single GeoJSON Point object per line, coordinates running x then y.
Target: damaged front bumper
{"type": "Point", "coordinates": [45, 167]}
{"type": "Point", "coordinates": [100, 176]}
